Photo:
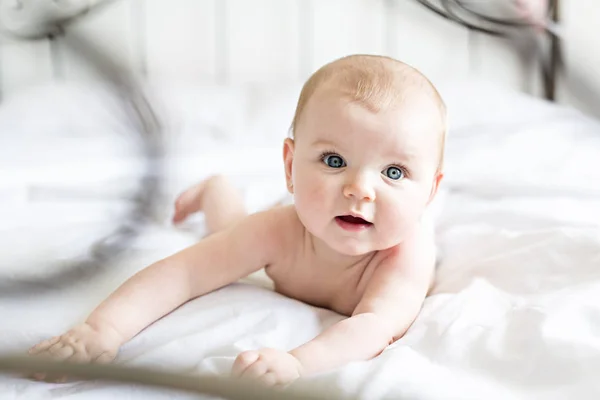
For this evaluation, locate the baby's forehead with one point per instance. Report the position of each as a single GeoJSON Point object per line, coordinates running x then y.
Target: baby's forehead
{"type": "Point", "coordinates": [331, 116]}
{"type": "Point", "coordinates": [410, 129]}
{"type": "Point", "coordinates": [414, 111]}
{"type": "Point", "coordinates": [377, 84]}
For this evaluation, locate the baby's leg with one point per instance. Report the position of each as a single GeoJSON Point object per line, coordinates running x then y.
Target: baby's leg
{"type": "Point", "coordinates": [217, 197]}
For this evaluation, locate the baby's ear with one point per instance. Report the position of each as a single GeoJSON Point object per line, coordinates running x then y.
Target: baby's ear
{"type": "Point", "coordinates": [288, 160]}
{"type": "Point", "coordinates": [435, 186]}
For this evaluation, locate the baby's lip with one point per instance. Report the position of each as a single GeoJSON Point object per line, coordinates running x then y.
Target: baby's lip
{"type": "Point", "coordinates": [354, 218]}
{"type": "Point", "coordinates": [361, 216]}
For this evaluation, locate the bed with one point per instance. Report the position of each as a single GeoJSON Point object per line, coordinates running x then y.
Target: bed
{"type": "Point", "coordinates": [515, 306]}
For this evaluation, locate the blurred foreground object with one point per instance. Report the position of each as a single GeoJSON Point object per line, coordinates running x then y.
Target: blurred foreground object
{"type": "Point", "coordinates": [223, 387]}
{"type": "Point", "coordinates": [35, 19]}
{"type": "Point", "coordinates": [515, 20]}
{"type": "Point", "coordinates": [38, 19]}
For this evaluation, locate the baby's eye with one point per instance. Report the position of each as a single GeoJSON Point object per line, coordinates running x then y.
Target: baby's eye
{"type": "Point", "coordinates": [334, 161]}
{"type": "Point", "coordinates": [394, 173]}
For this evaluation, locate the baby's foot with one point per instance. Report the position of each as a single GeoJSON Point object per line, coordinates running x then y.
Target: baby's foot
{"type": "Point", "coordinates": [188, 202]}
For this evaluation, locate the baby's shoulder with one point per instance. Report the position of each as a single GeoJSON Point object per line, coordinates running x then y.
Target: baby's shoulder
{"type": "Point", "coordinates": [419, 243]}
{"type": "Point", "coordinates": [280, 216]}
{"type": "Point", "coordinates": [282, 232]}
{"type": "Point", "coordinates": [282, 222]}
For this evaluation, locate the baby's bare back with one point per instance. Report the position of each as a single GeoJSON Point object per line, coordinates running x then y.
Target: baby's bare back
{"type": "Point", "coordinates": [300, 273]}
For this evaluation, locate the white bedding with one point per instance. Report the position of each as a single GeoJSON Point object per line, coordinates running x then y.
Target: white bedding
{"type": "Point", "coordinates": [516, 309]}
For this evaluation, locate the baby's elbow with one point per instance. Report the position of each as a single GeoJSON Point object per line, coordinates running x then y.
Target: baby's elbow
{"type": "Point", "coordinates": [382, 329]}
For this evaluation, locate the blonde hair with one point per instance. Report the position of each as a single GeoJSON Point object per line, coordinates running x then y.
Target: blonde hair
{"type": "Point", "coordinates": [376, 82]}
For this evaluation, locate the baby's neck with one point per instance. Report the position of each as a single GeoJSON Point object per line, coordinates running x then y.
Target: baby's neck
{"type": "Point", "coordinates": [332, 257]}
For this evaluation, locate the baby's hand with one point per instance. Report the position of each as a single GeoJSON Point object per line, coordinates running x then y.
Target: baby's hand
{"type": "Point", "coordinates": [82, 344]}
{"type": "Point", "coordinates": [269, 366]}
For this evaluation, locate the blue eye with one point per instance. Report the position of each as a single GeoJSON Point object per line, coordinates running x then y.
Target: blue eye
{"type": "Point", "coordinates": [334, 161]}
{"type": "Point", "coordinates": [394, 173]}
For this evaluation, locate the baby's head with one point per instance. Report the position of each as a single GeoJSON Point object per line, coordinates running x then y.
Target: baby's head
{"type": "Point", "coordinates": [367, 150]}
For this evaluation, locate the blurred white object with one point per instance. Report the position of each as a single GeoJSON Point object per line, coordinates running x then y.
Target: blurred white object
{"type": "Point", "coordinates": [535, 12]}
{"type": "Point", "coordinates": [39, 18]}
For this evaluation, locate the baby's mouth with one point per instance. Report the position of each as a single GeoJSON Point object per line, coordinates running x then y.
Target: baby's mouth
{"type": "Point", "coordinates": [353, 221]}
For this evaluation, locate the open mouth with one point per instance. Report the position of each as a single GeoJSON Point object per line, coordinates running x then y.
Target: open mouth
{"type": "Point", "coordinates": [353, 223]}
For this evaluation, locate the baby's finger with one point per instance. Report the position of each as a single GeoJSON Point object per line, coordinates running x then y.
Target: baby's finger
{"type": "Point", "coordinates": [269, 379]}
{"type": "Point", "coordinates": [74, 353]}
{"type": "Point", "coordinates": [178, 216]}
{"type": "Point", "coordinates": [80, 356]}
{"type": "Point", "coordinates": [104, 358]}
{"type": "Point", "coordinates": [43, 345]}
{"type": "Point", "coordinates": [256, 370]}
{"type": "Point", "coordinates": [46, 377]}
{"type": "Point", "coordinates": [38, 376]}
{"type": "Point", "coordinates": [243, 361]}
{"type": "Point", "coordinates": [181, 209]}
{"type": "Point", "coordinates": [55, 378]}
{"type": "Point", "coordinates": [59, 351]}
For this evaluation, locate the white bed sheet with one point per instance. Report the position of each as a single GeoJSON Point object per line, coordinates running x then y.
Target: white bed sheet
{"type": "Point", "coordinates": [516, 309]}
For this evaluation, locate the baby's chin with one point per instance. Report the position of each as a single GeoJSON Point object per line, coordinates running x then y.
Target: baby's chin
{"type": "Point", "coordinates": [352, 248]}
{"type": "Point", "coordinates": [358, 248]}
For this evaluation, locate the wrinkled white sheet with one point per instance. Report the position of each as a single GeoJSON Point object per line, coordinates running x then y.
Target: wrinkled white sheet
{"type": "Point", "coordinates": [515, 312]}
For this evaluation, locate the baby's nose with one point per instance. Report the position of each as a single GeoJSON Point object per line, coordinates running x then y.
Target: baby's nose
{"type": "Point", "coordinates": [359, 189]}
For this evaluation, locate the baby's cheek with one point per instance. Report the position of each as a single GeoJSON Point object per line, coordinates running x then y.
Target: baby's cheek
{"type": "Point", "coordinates": [396, 221]}
{"type": "Point", "coordinates": [320, 192]}
{"type": "Point", "coordinates": [399, 213]}
{"type": "Point", "coordinates": [312, 189]}
{"type": "Point", "coordinates": [310, 196]}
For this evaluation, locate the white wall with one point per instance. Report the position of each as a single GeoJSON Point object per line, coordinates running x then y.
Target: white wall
{"type": "Point", "coordinates": [240, 41]}
{"type": "Point", "coordinates": [580, 86]}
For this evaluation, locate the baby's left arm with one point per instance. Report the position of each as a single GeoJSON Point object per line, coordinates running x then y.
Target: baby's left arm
{"type": "Point", "coordinates": [391, 302]}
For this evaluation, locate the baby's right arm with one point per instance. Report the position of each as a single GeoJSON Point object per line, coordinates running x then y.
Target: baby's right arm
{"type": "Point", "coordinates": [214, 262]}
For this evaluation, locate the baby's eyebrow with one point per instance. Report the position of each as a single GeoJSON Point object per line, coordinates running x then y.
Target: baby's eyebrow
{"type": "Point", "coordinates": [323, 143]}
{"type": "Point", "coordinates": [403, 156]}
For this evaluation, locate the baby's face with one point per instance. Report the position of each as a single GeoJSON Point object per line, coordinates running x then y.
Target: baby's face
{"type": "Point", "coordinates": [361, 180]}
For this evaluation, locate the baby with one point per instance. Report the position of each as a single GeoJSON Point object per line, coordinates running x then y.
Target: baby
{"type": "Point", "coordinates": [363, 164]}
